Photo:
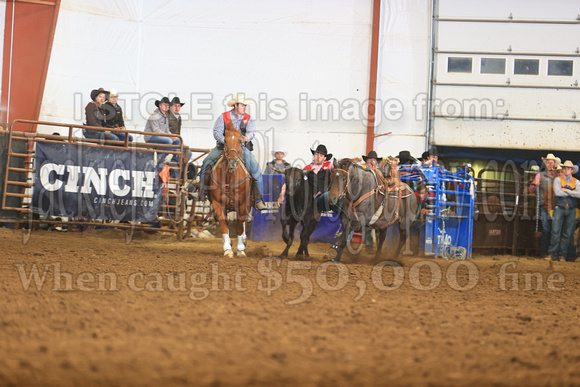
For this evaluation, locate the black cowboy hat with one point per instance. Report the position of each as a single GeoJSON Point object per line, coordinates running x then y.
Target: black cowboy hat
{"type": "Point", "coordinates": [162, 100]}
{"type": "Point", "coordinates": [372, 155]}
{"type": "Point", "coordinates": [98, 91]}
{"type": "Point", "coordinates": [176, 100]}
{"type": "Point", "coordinates": [406, 158]}
{"type": "Point", "coordinates": [322, 150]}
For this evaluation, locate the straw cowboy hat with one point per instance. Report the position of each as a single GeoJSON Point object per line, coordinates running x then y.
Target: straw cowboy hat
{"type": "Point", "coordinates": [372, 155]}
{"type": "Point", "coordinates": [162, 100]}
{"type": "Point", "coordinates": [322, 150]}
{"type": "Point", "coordinates": [279, 150]}
{"type": "Point", "coordinates": [569, 164]}
{"type": "Point", "coordinates": [113, 93]}
{"type": "Point", "coordinates": [240, 98]}
{"type": "Point", "coordinates": [551, 156]}
{"type": "Point", "coordinates": [98, 91]}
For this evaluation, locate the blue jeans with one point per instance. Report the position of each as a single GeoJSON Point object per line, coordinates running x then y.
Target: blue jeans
{"type": "Point", "coordinates": [122, 135]}
{"type": "Point", "coordinates": [249, 159]}
{"type": "Point", "coordinates": [98, 135]}
{"type": "Point", "coordinates": [546, 230]}
{"type": "Point", "coordinates": [563, 225]}
{"type": "Point", "coordinates": [169, 141]}
{"type": "Point", "coordinates": [324, 205]}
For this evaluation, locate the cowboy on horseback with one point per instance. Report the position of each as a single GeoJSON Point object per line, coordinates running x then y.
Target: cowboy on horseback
{"type": "Point", "coordinates": [243, 122]}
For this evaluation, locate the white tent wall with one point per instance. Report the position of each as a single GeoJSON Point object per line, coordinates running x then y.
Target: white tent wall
{"type": "Point", "coordinates": [95, 45]}
{"type": "Point", "coordinates": [2, 26]}
{"type": "Point", "coordinates": [305, 66]}
{"type": "Point", "coordinates": [403, 76]}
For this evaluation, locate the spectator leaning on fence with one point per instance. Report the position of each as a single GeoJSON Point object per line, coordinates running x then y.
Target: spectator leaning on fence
{"type": "Point", "coordinates": [566, 191]}
{"type": "Point", "coordinates": [114, 116]}
{"type": "Point", "coordinates": [96, 116]}
{"type": "Point", "coordinates": [539, 185]}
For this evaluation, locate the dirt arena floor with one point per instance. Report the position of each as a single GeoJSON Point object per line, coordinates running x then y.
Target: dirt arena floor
{"type": "Point", "coordinates": [82, 309]}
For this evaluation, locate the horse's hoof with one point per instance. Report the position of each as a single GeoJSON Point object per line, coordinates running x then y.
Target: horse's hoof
{"type": "Point", "coordinates": [229, 253]}
{"type": "Point", "coordinates": [241, 254]}
{"type": "Point", "coordinates": [334, 260]}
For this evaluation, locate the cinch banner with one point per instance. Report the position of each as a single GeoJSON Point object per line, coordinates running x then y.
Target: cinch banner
{"type": "Point", "coordinates": [97, 183]}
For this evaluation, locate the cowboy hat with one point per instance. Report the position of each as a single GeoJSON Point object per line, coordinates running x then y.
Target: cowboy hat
{"type": "Point", "coordinates": [372, 155]}
{"type": "Point", "coordinates": [406, 158]}
{"type": "Point", "coordinates": [98, 91]}
{"type": "Point", "coordinates": [322, 150]}
{"type": "Point", "coordinates": [279, 150]}
{"type": "Point", "coordinates": [569, 164]}
{"type": "Point", "coordinates": [551, 156]}
{"type": "Point", "coordinates": [176, 100]}
{"type": "Point", "coordinates": [240, 98]}
{"type": "Point", "coordinates": [162, 100]}
{"type": "Point", "coordinates": [113, 93]}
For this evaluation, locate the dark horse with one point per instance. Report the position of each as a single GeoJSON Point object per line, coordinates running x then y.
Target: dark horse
{"type": "Point", "coordinates": [370, 201]}
{"type": "Point", "coordinates": [230, 189]}
{"type": "Point", "coordinates": [299, 208]}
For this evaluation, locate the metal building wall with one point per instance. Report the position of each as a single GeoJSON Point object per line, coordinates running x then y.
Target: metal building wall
{"type": "Point", "coordinates": [506, 110]}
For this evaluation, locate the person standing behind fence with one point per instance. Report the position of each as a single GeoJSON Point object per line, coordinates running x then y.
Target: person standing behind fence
{"type": "Point", "coordinates": [114, 116]}
{"type": "Point", "coordinates": [541, 182]}
{"type": "Point", "coordinates": [566, 191]}
{"type": "Point", "coordinates": [278, 165]}
{"type": "Point", "coordinates": [174, 116]}
{"type": "Point", "coordinates": [96, 116]}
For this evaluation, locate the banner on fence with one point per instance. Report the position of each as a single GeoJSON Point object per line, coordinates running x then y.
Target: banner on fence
{"type": "Point", "coordinates": [98, 183]}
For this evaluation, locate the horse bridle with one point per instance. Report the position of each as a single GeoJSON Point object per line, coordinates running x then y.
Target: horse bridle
{"type": "Point", "coordinates": [345, 189]}
{"type": "Point", "coordinates": [235, 160]}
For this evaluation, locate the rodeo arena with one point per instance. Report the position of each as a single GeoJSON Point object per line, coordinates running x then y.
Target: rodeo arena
{"type": "Point", "coordinates": [318, 193]}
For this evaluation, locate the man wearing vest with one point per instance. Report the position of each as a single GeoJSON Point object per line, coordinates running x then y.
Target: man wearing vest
{"type": "Point", "coordinates": [567, 191]}
{"type": "Point", "coordinates": [247, 126]}
{"type": "Point", "coordinates": [542, 182]}
{"type": "Point", "coordinates": [174, 116]}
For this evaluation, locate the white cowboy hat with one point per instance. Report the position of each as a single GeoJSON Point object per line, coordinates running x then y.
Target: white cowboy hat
{"type": "Point", "coordinates": [551, 156]}
{"type": "Point", "coordinates": [240, 98]}
{"type": "Point", "coordinates": [569, 164]}
{"type": "Point", "coordinates": [113, 93]}
{"type": "Point", "coordinates": [279, 150]}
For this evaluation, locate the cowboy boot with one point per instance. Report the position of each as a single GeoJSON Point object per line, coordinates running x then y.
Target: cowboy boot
{"type": "Point", "coordinates": [205, 183]}
{"type": "Point", "coordinates": [259, 204]}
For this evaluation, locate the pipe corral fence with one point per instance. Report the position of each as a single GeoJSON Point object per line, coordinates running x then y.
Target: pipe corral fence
{"type": "Point", "coordinates": [507, 215]}
{"type": "Point", "coordinates": [176, 213]}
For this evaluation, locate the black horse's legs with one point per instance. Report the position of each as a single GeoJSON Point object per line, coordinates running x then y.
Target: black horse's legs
{"type": "Point", "coordinates": [292, 226]}
{"type": "Point", "coordinates": [308, 229]}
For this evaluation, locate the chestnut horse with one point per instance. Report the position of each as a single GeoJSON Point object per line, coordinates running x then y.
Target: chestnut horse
{"type": "Point", "coordinates": [230, 189]}
{"type": "Point", "coordinates": [368, 201]}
